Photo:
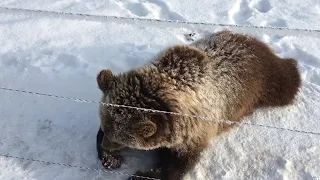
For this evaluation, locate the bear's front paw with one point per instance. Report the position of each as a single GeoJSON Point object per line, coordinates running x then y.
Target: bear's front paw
{"type": "Point", "coordinates": [153, 174]}
{"type": "Point", "coordinates": [111, 160]}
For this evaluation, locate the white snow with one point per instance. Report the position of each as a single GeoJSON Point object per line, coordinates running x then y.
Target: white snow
{"type": "Point", "coordinates": [61, 55]}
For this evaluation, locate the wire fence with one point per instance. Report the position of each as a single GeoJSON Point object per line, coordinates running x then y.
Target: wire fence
{"type": "Point", "coordinates": [165, 23]}
{"type": "Point", "coordinates": [74, 166]}
{"type": "Point", "coordinates": [130, 107]}
{"type": "Point", "coordinates": [208, 118]}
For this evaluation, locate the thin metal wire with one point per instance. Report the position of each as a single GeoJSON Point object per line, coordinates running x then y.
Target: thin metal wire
{"type": "Point", "coordinates": [159, 20]}
{"type": "Point", "coordinates": [74, 166]}
{"type": "Point", "coordinates": [158, 111]}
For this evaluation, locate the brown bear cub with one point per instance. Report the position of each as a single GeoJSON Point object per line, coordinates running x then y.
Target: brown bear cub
{"type": "Point", "coordinates": [224, 76]}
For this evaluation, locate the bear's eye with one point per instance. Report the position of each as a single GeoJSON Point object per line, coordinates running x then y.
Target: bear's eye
{"type": "Point", "coordinates": [118, 110]}
{"type": "Point", "coordinates": [129, 116]}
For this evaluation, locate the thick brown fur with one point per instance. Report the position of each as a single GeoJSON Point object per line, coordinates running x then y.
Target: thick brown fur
{"type": "Point", "coordinates": [225, 76]}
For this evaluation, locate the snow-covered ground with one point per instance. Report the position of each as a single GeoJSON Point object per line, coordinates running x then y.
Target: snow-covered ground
{"type": "Point", "coordinates": [62, 55]}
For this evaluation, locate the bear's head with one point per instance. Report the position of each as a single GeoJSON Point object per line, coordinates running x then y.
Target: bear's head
{"type": "Point", "coordinates": [132, 127]}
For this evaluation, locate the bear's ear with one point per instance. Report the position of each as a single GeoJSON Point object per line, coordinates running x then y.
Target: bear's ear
{"type": "Point", "coordinates": [146, 129]}
{"type": "Point", "coordinates": [105, 80]}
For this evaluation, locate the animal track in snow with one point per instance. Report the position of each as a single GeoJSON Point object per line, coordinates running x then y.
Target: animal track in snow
{"type": "Point", "coordinates": [278, 22]}
{"type": "Point", "coordinates": [137, 9]}
{"type": "Point", "coordinates": [44, 126]}
{"type": "Point", "coordinates": [263, 6]}
{"type": "Point", "coordinates": [152, 9]}
{"type": "Point", "coordinates": [240, 12]}
{"type": "Point", "coordinates": [165, 11]}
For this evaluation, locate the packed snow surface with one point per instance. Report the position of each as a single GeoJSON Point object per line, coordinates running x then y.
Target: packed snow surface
{"type": "Point", "coordinates": [61, 55]}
